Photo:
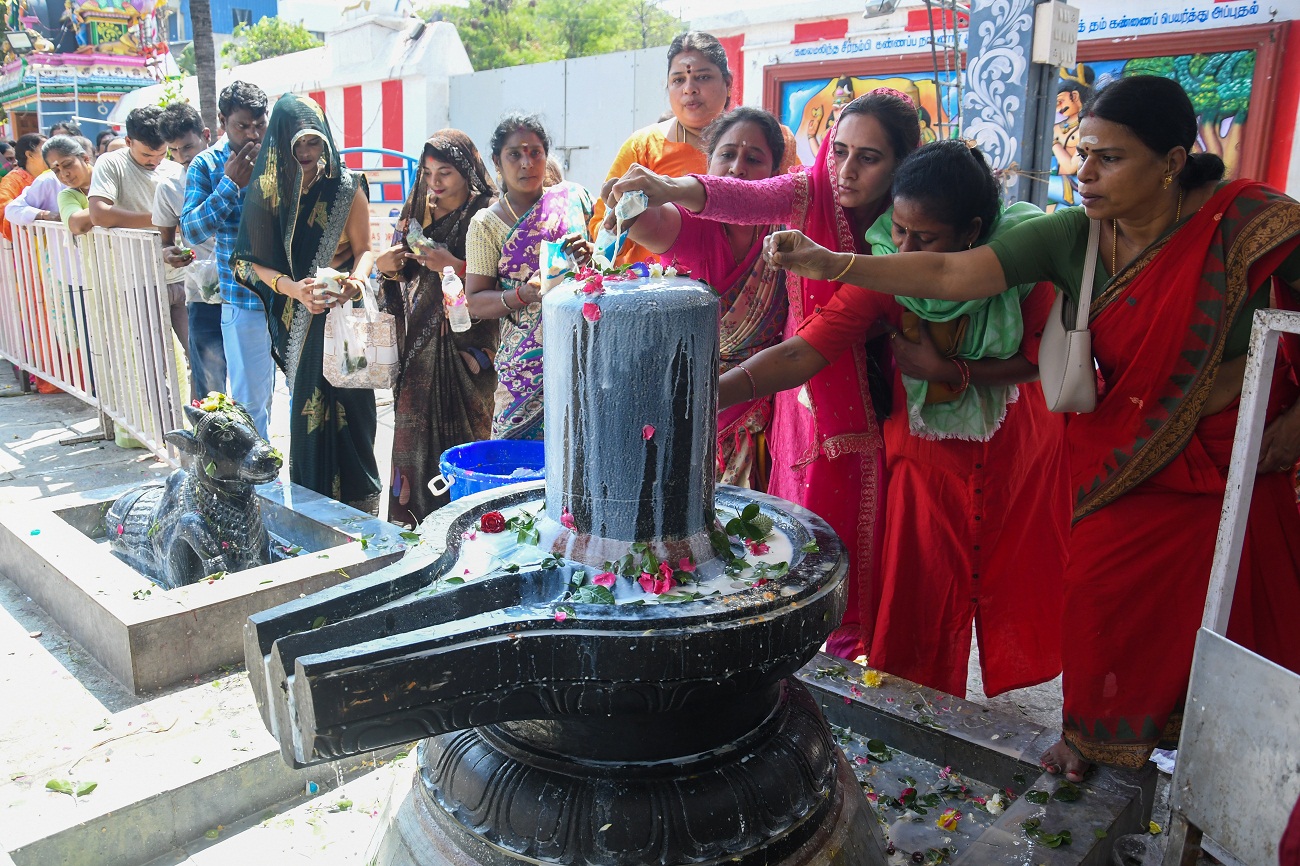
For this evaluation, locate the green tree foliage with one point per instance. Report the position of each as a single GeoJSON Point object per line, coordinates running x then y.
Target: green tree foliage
{"type": "Point", "coordinates": [269, 37]}
{"type": "Point", "coordinates": [500, 33]}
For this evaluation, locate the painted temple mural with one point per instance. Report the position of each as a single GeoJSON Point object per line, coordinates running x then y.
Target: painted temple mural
{"type": "Point", "coordinates": [1219, 85]}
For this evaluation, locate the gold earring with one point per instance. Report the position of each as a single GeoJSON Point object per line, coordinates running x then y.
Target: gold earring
{"type": "Point", "coordinates": [1168, 180]}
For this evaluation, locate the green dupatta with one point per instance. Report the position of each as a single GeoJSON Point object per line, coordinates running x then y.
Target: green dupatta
{"type": "Point", "coordinates": [995, 331]}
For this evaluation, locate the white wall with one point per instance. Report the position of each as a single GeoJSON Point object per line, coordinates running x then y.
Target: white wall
{"type": "Point", "coordinates": [589, 105]}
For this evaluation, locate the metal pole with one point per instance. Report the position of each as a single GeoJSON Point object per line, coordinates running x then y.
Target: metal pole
{"type": "Point", "coordinates": [1245, 458]}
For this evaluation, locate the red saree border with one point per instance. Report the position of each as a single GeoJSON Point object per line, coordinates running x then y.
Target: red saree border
{"type": "Point", "coordinates": [1261, 232]}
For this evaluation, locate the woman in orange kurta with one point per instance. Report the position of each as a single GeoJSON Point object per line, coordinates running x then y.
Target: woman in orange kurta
{"type": "Point", "coordinates": [699, 91]}
{"type": "Point", "coordinates": [28, 152]}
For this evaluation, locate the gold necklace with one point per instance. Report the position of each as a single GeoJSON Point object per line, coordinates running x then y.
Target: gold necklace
{"type": "Point", "coordinates": [505, 199]}
{"type": "Point", "coordinates": [1114, 233]}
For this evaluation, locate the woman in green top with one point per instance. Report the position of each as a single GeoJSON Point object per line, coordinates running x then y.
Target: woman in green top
{"type": "Point", "coordinates": [1184, 260]}
{"type": "Point", "coordinates": [74, 171]}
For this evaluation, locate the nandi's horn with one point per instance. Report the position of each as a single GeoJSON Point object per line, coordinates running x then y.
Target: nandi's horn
{"type": "Point", "coordinates": [194, 414]}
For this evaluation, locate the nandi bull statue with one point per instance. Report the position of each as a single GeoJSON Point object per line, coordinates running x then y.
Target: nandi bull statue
{"type": "Point", "coordinates": [205, 518]}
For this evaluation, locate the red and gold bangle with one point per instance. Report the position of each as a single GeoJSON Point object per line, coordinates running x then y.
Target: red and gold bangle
{"type": "Point", "coordinates": [522, 303]}
{"type": "Point", "coordinates": [964, 369]}
{"type": "Point", "coordinates": [753, 387]}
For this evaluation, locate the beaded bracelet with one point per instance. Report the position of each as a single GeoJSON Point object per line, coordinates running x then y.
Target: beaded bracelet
{"type": "Point", "coordinates": [503, 301]}
{"type": "Point", "coordinates": [753, 387]}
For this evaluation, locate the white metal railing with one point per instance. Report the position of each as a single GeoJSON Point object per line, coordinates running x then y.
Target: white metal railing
{"type": "Point", "coordinates": [90, 315]}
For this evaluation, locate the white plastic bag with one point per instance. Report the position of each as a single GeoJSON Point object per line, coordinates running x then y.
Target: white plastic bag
{"type": "Point", "coordinates": [201, 278]}
{"type": "Point", "coordinates": [360, 345]}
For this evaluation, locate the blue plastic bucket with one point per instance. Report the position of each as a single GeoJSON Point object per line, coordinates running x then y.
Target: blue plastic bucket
{"type": "Point", "coordinates": [477, 466]}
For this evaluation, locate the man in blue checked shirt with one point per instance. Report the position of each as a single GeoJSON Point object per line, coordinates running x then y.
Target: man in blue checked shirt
{"type": "Point", "coordinates": [214, 202]}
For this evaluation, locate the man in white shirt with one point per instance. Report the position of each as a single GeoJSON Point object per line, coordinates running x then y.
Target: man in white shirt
{"type": "Point", "coordinates": [186, 136]}
{"type": "Point", "coordinates": [123, 186]}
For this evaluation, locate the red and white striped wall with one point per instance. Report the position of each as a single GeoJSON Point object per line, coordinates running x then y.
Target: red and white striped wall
{"type": "Point", "coordinates": [388, 114]}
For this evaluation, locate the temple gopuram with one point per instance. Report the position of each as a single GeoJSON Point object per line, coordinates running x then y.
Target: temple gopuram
{"type": "Point", "coordinates": [73, 59]}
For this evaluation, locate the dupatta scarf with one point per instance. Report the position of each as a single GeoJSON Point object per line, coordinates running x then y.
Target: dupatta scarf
{"type": "Point", "coordinates": [563, 209]}
{"type": "Point", "coordinates": [295, 230]}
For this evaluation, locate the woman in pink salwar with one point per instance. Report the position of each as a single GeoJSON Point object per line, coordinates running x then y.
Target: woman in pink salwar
{"type": "Point", "coordinates": [824, 439]}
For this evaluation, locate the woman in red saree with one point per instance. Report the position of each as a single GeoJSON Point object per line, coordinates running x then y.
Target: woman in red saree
{"type": "Point", "coordinates": [825, 441]}
{"type": "Point", "coordinates": [1184, 263]}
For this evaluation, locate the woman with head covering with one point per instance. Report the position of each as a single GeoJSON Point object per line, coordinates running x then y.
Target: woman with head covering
{"type": "Point", "coordinates": [304, 211]}
{"type": "Point", "coordinates": [1183, 261]}
{"type": "Point", "coordinates": [744, 143]}
{"type": "Point", "coordinates": [444, 394]}
{"type": "Point", "coordinates": [502, 277]}
{"type": "Point", "coordinates": [699, 91]}
{"type": "Point", "coordinates": [824, 439]}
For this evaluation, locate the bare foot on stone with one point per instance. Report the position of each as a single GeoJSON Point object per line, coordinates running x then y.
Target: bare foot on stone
{"type": "Point", "coordinates": [1063, 760]}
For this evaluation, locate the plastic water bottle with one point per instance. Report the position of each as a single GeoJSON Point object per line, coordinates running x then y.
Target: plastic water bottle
{"type": "Point", "coordinates": [453, 294]}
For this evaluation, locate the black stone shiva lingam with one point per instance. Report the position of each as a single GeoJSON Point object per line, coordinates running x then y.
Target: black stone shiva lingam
{"type": "Point", "coordinates": [608, 680]}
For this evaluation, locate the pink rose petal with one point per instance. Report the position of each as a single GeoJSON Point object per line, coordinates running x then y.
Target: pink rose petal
{"type": "Point", "coordinates": [647, 431]}
{"type": "Point", "coordinates": [686, 565]}
{"type": "Point", "coordinates": [567, 519]}
{"type": "Point", "coordinates": [605, 578]}
{"type": "Point", "coordinates": [561, 616]}
{"type": "Point", "coordinates": [647, 582]}
{"type": "Point", "coordinates": [591, 312]}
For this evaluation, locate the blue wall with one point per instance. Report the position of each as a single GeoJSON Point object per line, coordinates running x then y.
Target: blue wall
{"type": "Point", "coordinates": [224, 14]}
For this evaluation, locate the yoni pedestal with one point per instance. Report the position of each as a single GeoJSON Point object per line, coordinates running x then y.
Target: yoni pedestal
{"type": "Point", "coordinates": [620, 734]}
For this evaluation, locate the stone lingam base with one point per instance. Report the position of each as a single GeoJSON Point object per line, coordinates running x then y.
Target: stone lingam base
{"type": "Point", "coordinates": [55, 550]}
{"type": "Point", "coordinates": [676, 737]}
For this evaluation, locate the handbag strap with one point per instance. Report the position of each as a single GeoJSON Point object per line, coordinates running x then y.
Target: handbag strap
{"type": "Point", "coordinates": [1089, 275]}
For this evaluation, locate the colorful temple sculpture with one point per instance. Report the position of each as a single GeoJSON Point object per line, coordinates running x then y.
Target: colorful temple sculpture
{"type": "Point", "coordinates": [73, 60]}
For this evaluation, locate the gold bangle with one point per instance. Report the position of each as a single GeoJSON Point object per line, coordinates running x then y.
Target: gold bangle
{"type": "Point", "coordinates": [275, 281]}
{"type": "Point", "coordinates": [836, 278]}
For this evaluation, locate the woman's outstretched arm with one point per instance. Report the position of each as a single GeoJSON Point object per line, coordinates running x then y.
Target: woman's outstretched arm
{"type": "Point", "coordinates": [776, 368]}
{"type": "Point", "coordinates": [961, 276]}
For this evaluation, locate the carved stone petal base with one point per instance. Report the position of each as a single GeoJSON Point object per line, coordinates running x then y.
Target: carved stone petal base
{"type": "Point", "coordinates": [784, 797]}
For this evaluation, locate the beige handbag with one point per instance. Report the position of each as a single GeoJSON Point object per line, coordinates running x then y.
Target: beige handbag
{"type": "Point", "coordinates": [1066, 368]}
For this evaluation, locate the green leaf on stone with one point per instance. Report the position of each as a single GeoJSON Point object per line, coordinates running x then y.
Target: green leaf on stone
{"type": "Point", "coordinates": [512, 568]}
{"type": "Point", "coordinates": [211, 834]}
{"type": "Point", "coordinates": [1099, 834]}
{"type": "Point", "coordinates": [1066, 792]}
{"type": "Point", "coordinates": [62, 786]}
{"type": "Point", "coordinates": [210, 468]}
{"type": "Point", "coordinates": [1037, 797]}
{"type": "Point", "coordinates": [811, 547]}
{"type": "Point", "coordinates": [410, 536]}
{"type": "Point", "coordinates": [318, 622]}
{"type": "Point", "coordinates": [86, 787]}
{"type": "Point", "coordinates": [593, 594]}
{"type": "Point", "coordinates": [455, 581]}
